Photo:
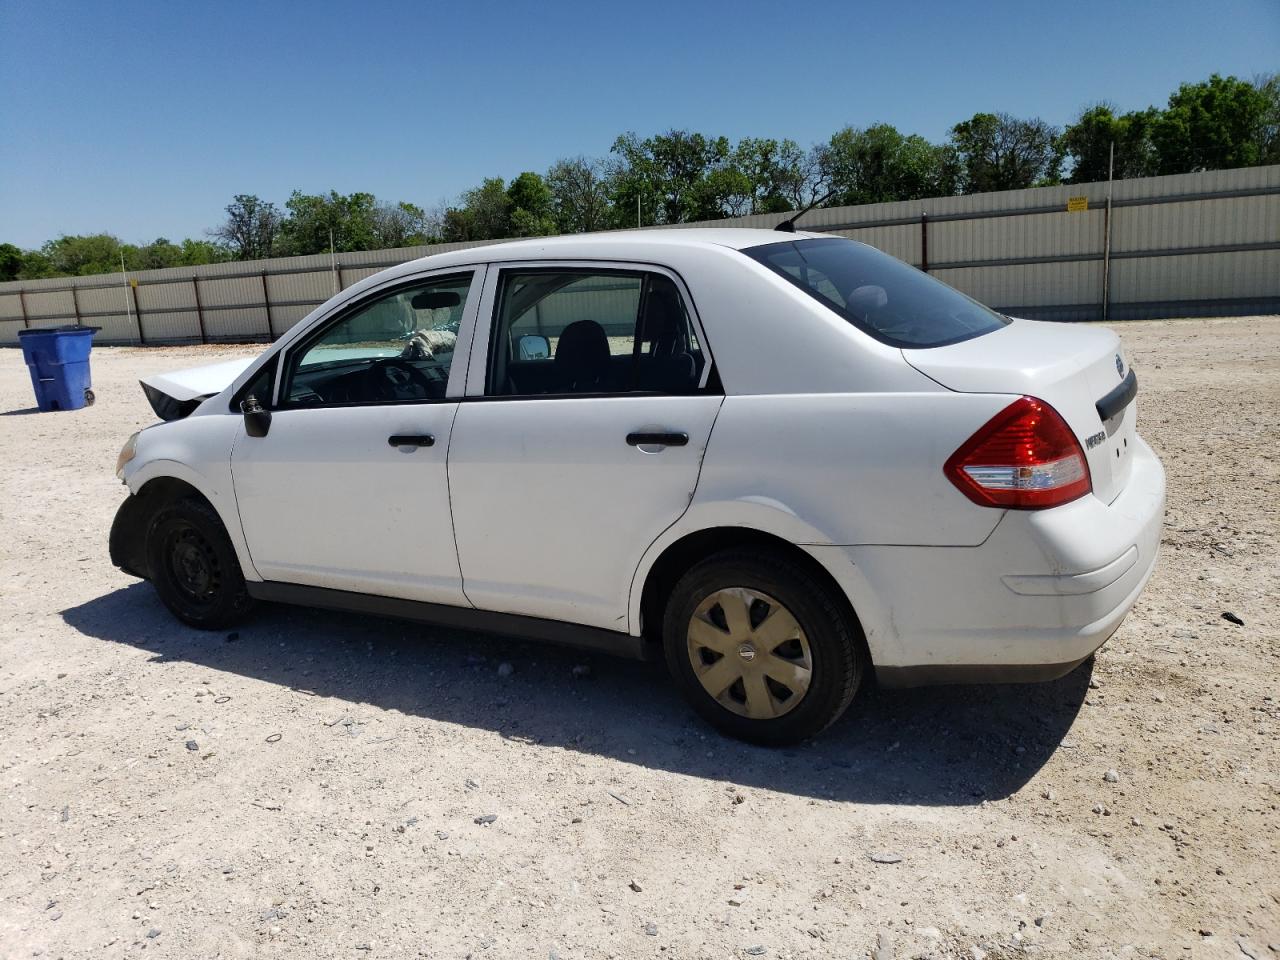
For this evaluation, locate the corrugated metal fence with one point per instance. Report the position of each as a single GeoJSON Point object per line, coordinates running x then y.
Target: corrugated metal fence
{"type": "Point", "coordinates": [1203, 244]}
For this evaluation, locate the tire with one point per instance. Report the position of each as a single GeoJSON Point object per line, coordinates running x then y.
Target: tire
{"type": "Point", "coordinates": [738, 589]}
{"type": "Point", "coordinates": [193, 565]}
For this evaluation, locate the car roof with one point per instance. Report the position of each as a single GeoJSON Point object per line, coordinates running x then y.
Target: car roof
{"type": "Point", "coordinates": [620, 244]}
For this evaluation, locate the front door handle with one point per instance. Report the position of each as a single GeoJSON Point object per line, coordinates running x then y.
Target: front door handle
{"type": "Point", "coordinates": [411, 440]}
{"type": "Point", "coordinates": [658, 439]}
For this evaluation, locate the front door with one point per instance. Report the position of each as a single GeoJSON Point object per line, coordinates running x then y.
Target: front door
{"type": "Point", "coordinates": [348, 489]}
{"type": "Point", "coordinates": [580, 440]}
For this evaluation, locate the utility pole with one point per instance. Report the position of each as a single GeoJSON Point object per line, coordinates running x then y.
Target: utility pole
{"type": "Point", "coordinates": [333, 262]}
{"type": "Point", "coordinates": [1106, 236]}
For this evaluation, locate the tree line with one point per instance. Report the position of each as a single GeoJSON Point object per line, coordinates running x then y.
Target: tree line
{"type": "Point", "coordinates": [681, 176]}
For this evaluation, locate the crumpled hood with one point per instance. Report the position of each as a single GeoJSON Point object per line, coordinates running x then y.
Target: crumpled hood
{"type": "Point", "coordinates": [174, 395]}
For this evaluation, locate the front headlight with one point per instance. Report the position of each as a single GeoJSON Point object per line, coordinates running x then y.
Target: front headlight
{"type": "Point", "coordinates": [126, 454]}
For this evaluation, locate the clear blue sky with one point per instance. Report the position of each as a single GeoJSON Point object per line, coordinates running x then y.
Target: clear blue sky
{"type": "Point", "coordinates": [145, 118]}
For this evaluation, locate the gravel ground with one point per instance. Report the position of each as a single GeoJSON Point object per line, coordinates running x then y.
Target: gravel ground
{"type": "Point", "coordinates": [316, 785]}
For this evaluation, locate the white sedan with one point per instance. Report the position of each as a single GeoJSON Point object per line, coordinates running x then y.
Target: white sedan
{"type": "Point", "coordinates": [786, 460]}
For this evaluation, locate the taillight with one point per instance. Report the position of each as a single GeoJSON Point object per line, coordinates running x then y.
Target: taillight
{"type": "Point", "coordinates": [1025, 458]}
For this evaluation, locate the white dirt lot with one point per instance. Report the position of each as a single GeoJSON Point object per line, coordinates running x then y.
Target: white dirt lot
{"type": "Point", "coordinates": [309, 785]}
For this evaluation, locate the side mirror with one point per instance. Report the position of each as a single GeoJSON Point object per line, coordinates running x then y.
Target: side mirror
{"type": "Point", "coordinates": [257, 419]}
{"type": "Point", "coordinates": [534, 347]}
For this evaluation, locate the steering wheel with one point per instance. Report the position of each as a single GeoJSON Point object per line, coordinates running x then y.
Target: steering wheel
{"type": "Point", "coordinates": [394, 378]}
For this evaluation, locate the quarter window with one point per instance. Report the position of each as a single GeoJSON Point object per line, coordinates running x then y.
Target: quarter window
{"type": "Point", "coordinates": [396, 348]}
{"type": "Point", "coordinates": [564, 332]}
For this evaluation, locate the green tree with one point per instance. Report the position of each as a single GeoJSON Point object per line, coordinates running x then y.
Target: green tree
{"type": "Point", "coordinates": [579, 195]}
{"type": "Point", "coordinates": [997, 151]}
{"type": "Point", "coordinates": [12, 260]}
{"type": "Point", "coordinates": [880, 164]}
{"type": "Point", "coordinates": [1211, 126]}
{"type": "Point", "coordinates": [75, 256]}
{"type": "Point", "coordinates": [532, 206]}
{"type": "Point", "coordinates": [484, 214]}
{"type": "Point", "coordinates": [400, 225]}
{"type": "Point", "coordinates": [317, 221]}
{"type": "Point", "coordinates": [1269, 129]}
{"type": "Point", "coordinates": [196, 253]}
{"type": "Point", "coordinates": [155, 255]}
{"type": "Point", "coordinates": [778, 175]}
{"type": "Point", "coordinates": [1087, 143]}
{"type": "Point", "coordinates": [252, 228]}
{"type": "Point", "coordinates": [667, 176]}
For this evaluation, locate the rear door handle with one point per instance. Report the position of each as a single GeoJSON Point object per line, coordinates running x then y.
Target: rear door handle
{"type": "Point", "coordinates": [658, 439]}
{"type": "Point", "coordinates": [411, 440]}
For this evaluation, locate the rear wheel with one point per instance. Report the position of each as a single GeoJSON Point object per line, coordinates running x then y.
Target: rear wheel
{"type": "Point", "coordinates": [761, 648]}
{"type": "Point", "coordinates": [193, 565]}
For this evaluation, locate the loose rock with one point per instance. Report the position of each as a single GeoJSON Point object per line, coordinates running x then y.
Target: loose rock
{"type": "Point", "coordinates": [505, 669]}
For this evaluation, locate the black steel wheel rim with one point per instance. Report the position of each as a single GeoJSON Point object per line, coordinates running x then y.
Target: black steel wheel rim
{"type": "Point", "coordinates": [193, 565]}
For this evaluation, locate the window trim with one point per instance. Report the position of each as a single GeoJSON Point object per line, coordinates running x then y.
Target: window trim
{"type": "Point", "coordinates": [484, 343]}
{"type": "Point", "coordinates": [466, 326]}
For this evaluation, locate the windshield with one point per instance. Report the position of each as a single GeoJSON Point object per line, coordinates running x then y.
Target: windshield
{"type": "Point", "coordinates": [879, 294]}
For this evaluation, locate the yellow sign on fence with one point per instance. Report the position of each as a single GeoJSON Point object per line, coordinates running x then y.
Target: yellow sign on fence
{"type": "Point", "coordinates": [1077, 204]}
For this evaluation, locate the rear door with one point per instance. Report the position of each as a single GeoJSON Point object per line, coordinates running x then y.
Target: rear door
{"type": "Point", "coordinates": [587, 412]}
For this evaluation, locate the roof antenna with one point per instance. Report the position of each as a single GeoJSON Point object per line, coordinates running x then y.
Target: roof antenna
{"type": "Point", "coordinates": [789, 225]}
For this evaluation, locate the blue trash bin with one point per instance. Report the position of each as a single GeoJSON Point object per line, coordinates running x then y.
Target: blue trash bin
{"type": "Point", "coordinates": [58, 359]}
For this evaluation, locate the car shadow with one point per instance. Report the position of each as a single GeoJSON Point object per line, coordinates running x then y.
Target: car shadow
{"type": "Point", "coordinates": [942, 746]}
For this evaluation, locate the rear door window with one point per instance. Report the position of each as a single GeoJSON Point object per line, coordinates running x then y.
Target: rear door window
{"type": "Point", "coordinates": [575, 331]}
{"type": "Point", "coordinates": [879, 294]}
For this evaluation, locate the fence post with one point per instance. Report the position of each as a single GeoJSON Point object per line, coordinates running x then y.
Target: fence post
{"type": "Point", "coordinates": [924, 241]}
{"type": "Point", "coordinates": [75, 304]}
{"type": "Point", "coordinates": [266, 301]}
{"type": "Point", "coordinates": [195, 288]}
{"type": "Point", "coordinates": [341, 283]}
{"type": "Point", "coordinates": [22, 299]}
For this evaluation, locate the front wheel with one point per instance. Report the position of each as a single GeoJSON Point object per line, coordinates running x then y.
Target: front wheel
{"type": "Point", "coordinates": [193, 565]}
{"type": "Point", "coordinates": [762, 649]}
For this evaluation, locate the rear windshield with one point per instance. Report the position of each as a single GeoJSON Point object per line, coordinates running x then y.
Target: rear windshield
{"type": "Point", "coordinates": [879, 294]}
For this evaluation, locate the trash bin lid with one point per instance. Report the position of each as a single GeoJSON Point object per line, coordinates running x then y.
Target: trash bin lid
{"type": "Point", "coordinates": [67, 328]}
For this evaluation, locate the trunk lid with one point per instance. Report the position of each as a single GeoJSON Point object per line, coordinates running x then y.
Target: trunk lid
{"type": "Point", "coordinates": [1069, 367]}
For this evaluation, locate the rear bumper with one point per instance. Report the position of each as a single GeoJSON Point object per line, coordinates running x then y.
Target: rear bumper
{"type": "Point", "coordinates": [1044, 591]}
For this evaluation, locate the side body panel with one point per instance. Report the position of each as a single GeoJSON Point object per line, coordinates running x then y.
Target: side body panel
{"type": "Point", "coordinates": [553, 508]}
{"type": "Point", "coordinates": [197, 451]}
{"type": "Point", "coordinates": [326, 501]}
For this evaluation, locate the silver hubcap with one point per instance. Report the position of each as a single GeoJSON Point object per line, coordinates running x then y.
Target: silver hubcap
{"type": "Point", "coordinates": [749, 653]}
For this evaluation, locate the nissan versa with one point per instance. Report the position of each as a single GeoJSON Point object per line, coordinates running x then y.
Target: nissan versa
{"type": "Point", "coordinates": [787, 460]}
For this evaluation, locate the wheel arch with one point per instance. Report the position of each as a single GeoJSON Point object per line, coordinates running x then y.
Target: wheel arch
{"type": "Point", "coordinates": [680, 555]}
{"type": "Point", "coordinates": [160, 482]}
